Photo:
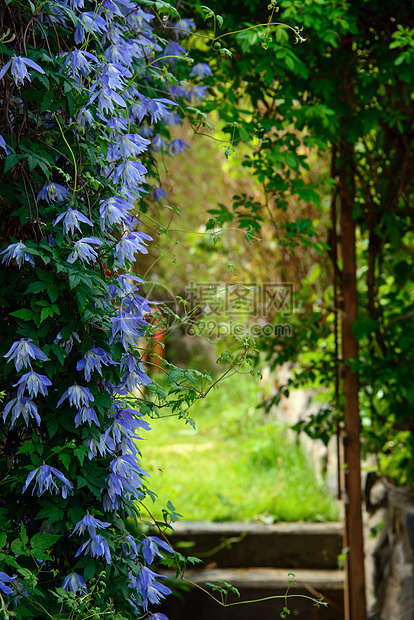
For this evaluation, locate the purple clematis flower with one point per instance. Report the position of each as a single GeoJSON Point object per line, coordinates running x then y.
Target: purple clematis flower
{"type": "Point", "coordinates": [147, 131]}
{"type": "Point", "coordinates": [96, 547]}
{"type": "Point", "coordinates": [90, 23]}
{"type": "Point", "coordinates": [123, 431]}
{"type": "Point", "coordinates": [177, 146]}
{"type": "Point", "coordinates": [130, 173]}
{"type": "Point", "coordinates": [86, 414]}
{"type": "Point", "coordinates": [128, 329]}
{"type": "Point", "coordinates": [127, 246]}
{"type": "Point", "coordinates": [104, 445]}
{"type": "Point", "coordinates": [77, 395]}
{"type": "Point", "coordinates": [119, 53]}
{"type": "Point", "coordinates": [198, 92]}
{"type": "Point", "coordinates": [71, 219]}
{"type": "Point", "coordinates": [157, 108]}
{"type": "Point", "coordinates": [112, 77]}
{"type": "Point", "coordinates": [84, 117]}
{"type": "Point", "coordinates": [74, 583]}
{"type": "Point", "coordinates": [53, 192]}
{"type": "Point", "coordinates": [159, 194]}
{"type": "Point", "coordinates": [201, 69]}
{"type": "Point", "coordinates": [129, 546]}
{"type": "Point", "coordinates": [45, 481]}
{"type": "Point", "coordinates": [18, 66]}
{"type": "Point", "coordinates": [184, 27]}
{"type": "Point", "coordinates": [148, 587]}
{"type": "Point", "coordinates": [179, 91]}
{"type": "Point", "coordinates": [3, 580]}
{"type": "Point", "coordinates": [4, 146]}
{"type": "Point", "coordinates": [21, 406]}
{"type": "Point", "coordinates": [133, 144]}
{"type": "Point", "coordinates": [34, 383]}
{"type": "Point", "coordinates": [78, 63]}
{"type": "Point", "coordinates": [150, 548]}
{"type": "Point", "coordinates": [173, 51]}
{"type": "Point", "coordinates": [114, 33]}
{"type": "Point", "coordinates": [21, 351]}
{"type": "Point", "coordinates": [93, 360]}
{"type": "Point", "coordinates": [172, 118]}
{"type": "Point", "coordinates": [117, 123]}
{"type": "Point", "coordinates": [114, 210]}
{"type": "Point", "coordinates": [158, 144]}
{"type": "Point", "coordinates": [125, 478]}
{"type": "Point", "coordinates": [83, 250]}
{"type": "Point", "coordinates": [17, 251]}
{"type": "Point", "coordinates": [88, 522]}
{"type": "Point", "coordinates": [107, 99]}
{"type": "Point", "coordinates": [76, 4]}
{"type": "Point", "coordinates": [133, 380]}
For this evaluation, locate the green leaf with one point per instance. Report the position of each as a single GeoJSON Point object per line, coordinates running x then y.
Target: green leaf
{"type": "Point", "coordinates": [95, 489]}
{"type": "Point", "coordinates": [53, 292]}
{"type": "Point", "coordinates": [90, 569]}
{"type": "Point", "coordinates": [51, 513]}
{"type": "Point", "coordinates": [18, 547]}
{"type": "Point", "coordinates": [47, 100]}
{"type": "Point", "coordinates": [80, 453]}
{"type": "Point", "coordinates": [208, 12]}
{"type": "Point", "coordinates": [226, 52]}
{"type": "Point", "coordinates": [45, 313]}
{"type": "Point", "coordinates": [10, 561]}
{"type": "Point", "coordinates": [71, 103]}
{"type": "Point", "coordinates": [59, 352]}
{"type": "Point", "coordinates": [26, 448]}
{"type": "Point", "coordinates": [23, 534]}
{"type": "Point", "coordinates": [52, 426]}
{"type": "Point", "coordinates": [74, 280]}
{"type": "Point", "coordinates": [175, 375]}
{"type": "Point", "coordinates": [43, 79]}
{"type": "Point", "coordinates": [10, 161]}
{"type": "Point", "coordinates": [29, 577]}
{"type": "Point", "coordinates": [46, 276]}
{"type": "Point", "coordinates": [65, 458]}
{"type": "Point", "coordinates": [40, 543]}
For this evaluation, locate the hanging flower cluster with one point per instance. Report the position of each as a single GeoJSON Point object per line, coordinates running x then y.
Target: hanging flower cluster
{"type": "Point", "coordinates": [88, 90]}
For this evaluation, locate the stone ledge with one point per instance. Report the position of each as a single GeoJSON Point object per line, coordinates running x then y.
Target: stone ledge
{"type": "Point", "coordinates": [258, 588]}
{"type": "Point", "coordinates": [268, 578]}
{"type": "Point", "coordinates": [232, 528]}
{"type": "Point", "coordinates": [238, 544]}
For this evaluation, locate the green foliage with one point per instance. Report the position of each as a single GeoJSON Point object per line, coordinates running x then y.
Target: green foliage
{"type": "Point", "coordinates": [344, 97]}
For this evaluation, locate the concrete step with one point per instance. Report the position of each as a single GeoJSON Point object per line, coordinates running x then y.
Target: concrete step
{"type": "Point", "coordinates": [237, 544]}
{"type": "Point", "coordinates": [254, 584]}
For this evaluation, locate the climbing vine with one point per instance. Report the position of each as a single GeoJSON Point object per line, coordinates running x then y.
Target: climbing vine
{"type": "Point", "coordinates": [86, 95]}
{"type": "Point", "coordinates": [90, 92]}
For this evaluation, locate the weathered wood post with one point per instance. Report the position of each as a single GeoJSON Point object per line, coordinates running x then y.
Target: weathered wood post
{"type": "Point", "coordinates": [355, 604]}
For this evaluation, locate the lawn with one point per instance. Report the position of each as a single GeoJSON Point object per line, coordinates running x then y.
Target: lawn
{"type": "Point", "coordinates": [236, 465]}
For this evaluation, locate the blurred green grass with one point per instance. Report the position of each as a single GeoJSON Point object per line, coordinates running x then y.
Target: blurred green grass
{"type": "Point", "coordinates": [236, 465]}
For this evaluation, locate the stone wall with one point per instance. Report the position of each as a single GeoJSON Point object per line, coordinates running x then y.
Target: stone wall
{"type": "Point", "coordinates": [298, 407]}
{"type": "Point", "coordinates": [388, 512]}
{"type": "Point", "coordinates": [389, 549]}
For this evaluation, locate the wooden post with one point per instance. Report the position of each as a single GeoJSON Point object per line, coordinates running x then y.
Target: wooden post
{"type": "Point", "coordinates": [355, 604]}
